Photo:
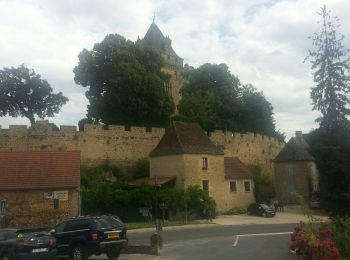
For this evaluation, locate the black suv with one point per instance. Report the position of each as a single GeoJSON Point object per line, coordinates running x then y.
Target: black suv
{"type": "Point", "coordinates": [91, 235]}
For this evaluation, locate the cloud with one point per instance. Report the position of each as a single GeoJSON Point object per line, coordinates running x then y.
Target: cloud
{"type": "Point", "coordinates": [264, 42]}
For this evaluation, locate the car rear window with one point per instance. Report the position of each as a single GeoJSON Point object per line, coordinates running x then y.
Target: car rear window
{"type": "Point", "coordinates": [108, 222]}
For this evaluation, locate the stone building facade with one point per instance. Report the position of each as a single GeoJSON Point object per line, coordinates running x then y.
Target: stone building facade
{"type": "Point", "coordinates": [186, 153]}
{"type": "Point", "coordinates": [32, 180]}
{"type": "Point", "coordinates": [295, 170]}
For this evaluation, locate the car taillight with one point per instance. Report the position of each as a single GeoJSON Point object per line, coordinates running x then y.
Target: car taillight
{"type": "Point", "coordinates": [22, 243]}
{"type": "Point", "coordinates": [93, 234]}
{"type": "Point", "coordinates": [52, 241]}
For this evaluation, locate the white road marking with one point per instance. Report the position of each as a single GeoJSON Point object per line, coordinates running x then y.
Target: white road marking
{"type": "Point", "coordinates": [236, 237]}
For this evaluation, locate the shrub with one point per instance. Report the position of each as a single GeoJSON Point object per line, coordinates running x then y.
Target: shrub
{"type": "Point", "coordinates": [341, 236]}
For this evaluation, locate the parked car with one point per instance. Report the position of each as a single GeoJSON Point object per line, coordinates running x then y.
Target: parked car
{"type": "Point", "coordinates": [27, 244]}
{"type": "Point", "coordinates": [84, 236]}
{"type": "Point", "coordinates": [7, 243]}
{"type": "Point", "coordinates": [259, 209]}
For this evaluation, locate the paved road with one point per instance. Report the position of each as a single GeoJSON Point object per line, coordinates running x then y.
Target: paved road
{"type": "Point", "coordinates": [218, 242]}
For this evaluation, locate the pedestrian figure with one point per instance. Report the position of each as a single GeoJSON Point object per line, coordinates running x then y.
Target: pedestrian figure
{"type": "Point", "coordinates": [280, 206]}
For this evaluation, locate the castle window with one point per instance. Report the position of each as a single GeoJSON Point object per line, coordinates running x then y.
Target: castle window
{"type": "Point", "coordinates": [168, 57]}
{"type": "Point", "coordinates": [247, 186]}
{"type": "Point", "coordinates": [233, 186]}
{"type": "Point", "coordinates": [204, 163]}
{"type": "Point", "coordinates": [175, 74]}
{"type": "Point", "coordinates": [2, 207]}
{"type": "Point", "coordinates": [205, 185]}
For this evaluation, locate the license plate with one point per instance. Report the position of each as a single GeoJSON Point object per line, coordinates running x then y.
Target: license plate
{"type": "Point", "coordinates": [39, 250]}
{"type": "Point", "coordinates": [113, 235]}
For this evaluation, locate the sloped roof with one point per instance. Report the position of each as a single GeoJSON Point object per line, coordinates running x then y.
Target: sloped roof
{"type": "Point", "coordinates": [28, 170]}
{"type": "Point", "coordinates": [235, 169]}
{"type": "Point", "coordinates": [155, 38]}
{"type": "Point", "coordinates": [294, 150]}
{"type": "Point", "coordinates": [185, 138]}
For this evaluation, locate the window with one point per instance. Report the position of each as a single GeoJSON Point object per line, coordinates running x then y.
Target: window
{"type": "Point", "coordinates": [247, 186]}
{"type": "Point", "coordinates": [204, 163]}
{"type": "Point", "coordinates": [2, 206]}
{"type": "Point", "coordinates": [205, 185]}
{"type": "Point", "coordinates": [290, 187]}
{"type": "Point", "coordinates": [289, 170]}
{"type": "Point", "coordinates": [233, 187]}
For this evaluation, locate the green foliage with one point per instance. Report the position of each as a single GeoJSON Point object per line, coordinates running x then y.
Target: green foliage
{"type": "Point", "coordinates": [210, 97]}
{"type": "Point", "coordinates": [330, 62]}
{"type": "Point", "coordinates": [126, 85]}
{"type": "Point", "coordinates": [236, 211]}
{"type": "Point", "coordinates": [341, 236]}
{"type": "Point", "coordinates": [140, 169]}
{"type": "Point", "coordinates": [23, 93]}
{"type": "Point", "coordinates": [331, 157]}
{"type": "Point", "coordinates": [82, 122]}
{"type": "Point", "coordinates": [264, 189]}
{"type": "Point", "coordinates": [215, 99]}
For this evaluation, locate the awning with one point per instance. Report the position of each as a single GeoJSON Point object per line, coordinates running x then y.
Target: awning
{"type": "Point", "coordinates": [157, 181]}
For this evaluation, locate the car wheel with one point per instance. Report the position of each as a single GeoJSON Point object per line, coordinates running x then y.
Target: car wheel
{"type": "Point", "coordinates": [113, 254]}
{"type": "Point", "coordinates": [264, 214]}
{"type": "Point", "coordinates": [5, 257]}
{"type": "Point", "coordinates": [79, 253]}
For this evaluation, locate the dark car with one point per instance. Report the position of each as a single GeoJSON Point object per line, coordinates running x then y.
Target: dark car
{"type": "Point", "coordinates": [7, 243]}
{"type": "Point", "coordinates": [90, 235]}
{"type": "Point", "coordinates": [259, 209]}
{"type": "Point", "coordinates": [35, 244]}
{"type": "Point", "coordinates": [27, 244]}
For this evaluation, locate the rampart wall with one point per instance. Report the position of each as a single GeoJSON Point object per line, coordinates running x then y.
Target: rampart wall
{"type": "Point", "coordinates": [123, 147]}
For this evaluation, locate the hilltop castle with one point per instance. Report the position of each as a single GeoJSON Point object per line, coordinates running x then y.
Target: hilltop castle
{"type": "Point", "coordinates": [173, 63]}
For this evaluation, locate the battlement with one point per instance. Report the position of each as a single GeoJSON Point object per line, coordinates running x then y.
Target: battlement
{"type": "Point", "coordinates": [44, 128]}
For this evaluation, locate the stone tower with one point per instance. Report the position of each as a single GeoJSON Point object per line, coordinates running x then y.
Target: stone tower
{"type": "Point", "coordinates": [173, 63]}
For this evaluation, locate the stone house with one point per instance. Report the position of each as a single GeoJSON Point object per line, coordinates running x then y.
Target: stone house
{"type": "Point", "coordinates": [295, 169]}
{"type": "Point", "coordinates": [186, 153]}
{"type": "Point", "coordinates": [38, 187]}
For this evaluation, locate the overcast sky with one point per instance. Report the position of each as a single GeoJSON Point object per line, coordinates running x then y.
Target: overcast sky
{"type": "Point", "coordinates": [264, 42]}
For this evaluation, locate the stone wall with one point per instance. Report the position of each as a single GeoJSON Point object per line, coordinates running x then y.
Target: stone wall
{"type": "Point", "coordinates": [29, 208]}
{"type": "Point", "coordinates": [250, 148]}
{"type": "Point", "coordinates": [123, 147]}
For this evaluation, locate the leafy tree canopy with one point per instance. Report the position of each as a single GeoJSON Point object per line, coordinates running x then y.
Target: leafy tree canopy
{"type": "Point", "coordinates": [215, 99]}
{"type": "Point", "coordinates": [330, 64]}
{"type": "Point", "coordinates": [125, 83]}
{"type": "Point", "coordinates": [23, 93]}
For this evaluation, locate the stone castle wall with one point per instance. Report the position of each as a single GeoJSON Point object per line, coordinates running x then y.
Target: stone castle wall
{"type": "Point", "coordinates": [122, 147]}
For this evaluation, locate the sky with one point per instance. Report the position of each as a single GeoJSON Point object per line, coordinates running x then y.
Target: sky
{"type": "Point", "coordinates": [264, 42]}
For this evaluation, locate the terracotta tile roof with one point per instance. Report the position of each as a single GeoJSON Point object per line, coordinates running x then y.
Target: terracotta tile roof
{"type": "Point", "coordinates": [160, 181]}
{"type": "Point", "coordinates": [235, 169]}
{"type": "Point", "coordinates": [294, 150]}
{"type": "Point", "coordinates": [185, 138]}
{"type": "Point", "coordinates": [26, 170]}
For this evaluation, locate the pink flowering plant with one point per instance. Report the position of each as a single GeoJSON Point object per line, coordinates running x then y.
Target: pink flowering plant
{"type": "Point", "coordinates": [314, 241]}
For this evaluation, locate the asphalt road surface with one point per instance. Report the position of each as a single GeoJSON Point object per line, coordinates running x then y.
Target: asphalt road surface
{"type": "Point", "coordinates": [244, 242]}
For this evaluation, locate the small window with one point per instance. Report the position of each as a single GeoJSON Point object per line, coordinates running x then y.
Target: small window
{"type": "Point", "coordinates": [247, 186]}
{"type": "Point", "coordinates": [233, 187]}
{"type": "Point", "coordinates": [2, 206]}
{"type": "Point", "coordinates": [289, 170]}
{"type": "Point", "coordinates": [205, 185]}
{"type": "Point", "coordinates": [205, 163]}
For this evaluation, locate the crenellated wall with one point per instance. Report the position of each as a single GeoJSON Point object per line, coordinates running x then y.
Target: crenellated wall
{"type": "Point", "coordinates": [123, 147]}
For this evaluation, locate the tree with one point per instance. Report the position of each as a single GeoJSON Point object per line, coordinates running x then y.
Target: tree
{"type": "Point", "coordinates": [210, 97]}
{"type": "Point", "coordinates": [256, 114]}
{"type": "Point", "coordinates": [23, 93]}
{"type": "Point", "coordinates": [330, 63]}
{"type": "Point", "coordinates": [126, 85]}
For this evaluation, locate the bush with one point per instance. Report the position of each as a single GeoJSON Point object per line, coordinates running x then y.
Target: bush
{"type": "Point", "coordinates": [341, 236]}
{"type": "Point", "coordinates": [236, 211]}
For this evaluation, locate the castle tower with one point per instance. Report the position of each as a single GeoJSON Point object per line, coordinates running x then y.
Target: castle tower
{"type": "Point", "coordinates": [173, 63]}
